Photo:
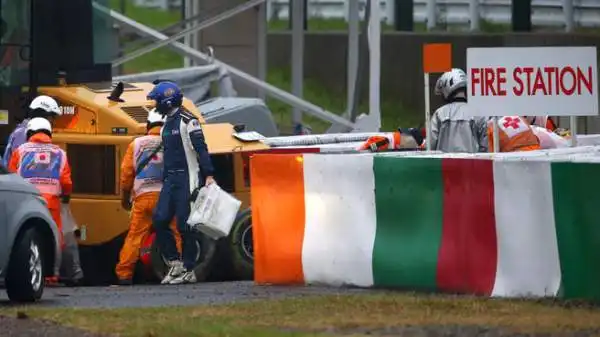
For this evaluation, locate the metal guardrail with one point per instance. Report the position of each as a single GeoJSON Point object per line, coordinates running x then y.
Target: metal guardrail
{"type": "Point", "coordinates": [544, 12]}
{"type": "Point", "coordinates": [162, 4]}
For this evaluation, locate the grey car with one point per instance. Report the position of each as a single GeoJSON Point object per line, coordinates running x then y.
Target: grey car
{"type": "Point", "coordinates": [29, 239]}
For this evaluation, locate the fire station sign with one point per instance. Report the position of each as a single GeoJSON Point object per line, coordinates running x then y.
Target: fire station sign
{"type": "Point", "coordinates": [533, 81]}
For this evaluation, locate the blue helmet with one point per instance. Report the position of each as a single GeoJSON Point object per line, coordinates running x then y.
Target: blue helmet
{"type": "Point", "coordinates": [167, 96]}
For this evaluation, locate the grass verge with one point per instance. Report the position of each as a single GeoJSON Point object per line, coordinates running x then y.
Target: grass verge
{"type": "Point", "coordinates": [162, 58]}
{"type": "Point", "coordinates": [356, 315]}
{"type": "Point", "coordinates": [393, 113]}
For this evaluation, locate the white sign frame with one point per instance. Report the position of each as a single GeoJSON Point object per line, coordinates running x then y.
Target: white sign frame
{"type": "Point", "coordinates": [538, 104]}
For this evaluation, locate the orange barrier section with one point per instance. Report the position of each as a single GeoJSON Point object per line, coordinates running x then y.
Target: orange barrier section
{"type": "Point", "coordinates": [277, 183]}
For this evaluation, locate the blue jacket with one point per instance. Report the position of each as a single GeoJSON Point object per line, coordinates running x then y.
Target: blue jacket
{"type": "Point", "coordinates": [16, 139]}
{"type": "Point", "coordinates": [185, 149]}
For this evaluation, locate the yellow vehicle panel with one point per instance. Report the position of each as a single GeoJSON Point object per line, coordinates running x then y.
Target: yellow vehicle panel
{"type": "Point", "coordinates": [101, 220]}
{"type": "Point", "coordinates": [94, 113]}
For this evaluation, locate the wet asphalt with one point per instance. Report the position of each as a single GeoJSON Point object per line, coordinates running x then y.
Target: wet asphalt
{"type": "Point", "coordinates": [181, 295]}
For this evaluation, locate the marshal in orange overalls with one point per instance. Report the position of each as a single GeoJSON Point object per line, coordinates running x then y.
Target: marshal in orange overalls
{"type": "Point", "coordinates": [46, 167]}
{"type": "Point", "coordinates": [144, 189]}
{"type": "Point", "coordinates": [382, 143]}
{"type": "Point", "coordinates": [515, 135]}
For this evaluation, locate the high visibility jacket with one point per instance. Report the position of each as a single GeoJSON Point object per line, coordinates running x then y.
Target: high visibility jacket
{"type": "Point", "coordinates": [515, 135]}
{"type": "Point", "coordinates": [150, 179]}
{"type": "Point", "coordinates": [45, 166]}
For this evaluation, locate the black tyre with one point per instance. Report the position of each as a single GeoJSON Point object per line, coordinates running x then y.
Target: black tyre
{"type": "Point", "coordinates": [241, 246]}
{"type": "Point", "coordinates": [204, 258]}
{"type": "Point", "coordinates": [25, 274]}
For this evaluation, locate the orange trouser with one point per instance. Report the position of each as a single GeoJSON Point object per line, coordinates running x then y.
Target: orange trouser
{"type": "Point", "coordinates": [53, 202]}
{"type": "Point", "coordinates": [140, 227]}
{"type": "Point", "coordinates": [55, 212]}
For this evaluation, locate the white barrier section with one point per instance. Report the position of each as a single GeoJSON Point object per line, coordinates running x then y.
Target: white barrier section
{"type": "Point", "coordinates": [528, 260]}
{"type": "Point", "coordinates": [330, 211]}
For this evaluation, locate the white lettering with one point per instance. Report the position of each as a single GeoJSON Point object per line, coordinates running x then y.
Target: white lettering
{"type": "Point", "coordinates": [67, 110]}
{"type": "Point", "coordinates": [532, 81]}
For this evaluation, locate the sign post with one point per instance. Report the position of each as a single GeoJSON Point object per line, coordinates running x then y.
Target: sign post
{"type": "Point", "coordinates": [437, 58]}
{"type": "Point", "coordinates": [573, 124]}
{"type": "Point", "coordinates": [427, 113]}
{"type": "Point", "coordinates": [496, 134]}
{"type": "Point", "coordinates": [533, 81]}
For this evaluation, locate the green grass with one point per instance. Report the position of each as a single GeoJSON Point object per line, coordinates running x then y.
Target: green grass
{"type": "Point", "coordinates": [392, 112]}
{"type": "Point", "coordinates": [147, 16]}
{"type": "Point", "coordinates": [162, 58]}
{"type": "Point", "coordinates": [333, 314]}
{"type": "Point", "coordinates": [159, 59]}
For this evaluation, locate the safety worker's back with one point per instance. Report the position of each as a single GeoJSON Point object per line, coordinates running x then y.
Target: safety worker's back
{"type": "Point", "coordinates": [455, 130]}
{"type": "Point", "coordinates": [149, 179]}
{"type": "Point", "coordinates": [42, 165]}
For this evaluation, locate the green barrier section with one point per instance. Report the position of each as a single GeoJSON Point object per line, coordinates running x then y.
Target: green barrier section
{"type": "Point", "coordinates": [409, 196]}
{"type": "Point", "coordinates": [576, 192]}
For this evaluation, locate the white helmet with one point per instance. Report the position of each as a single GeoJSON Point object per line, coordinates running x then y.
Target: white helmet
{"type": "Point", "coordinates": [45, 103]}
{"type": "Point", "coordinates": [451, 81]}
{"type": "Point", "coordinates": [39, 124]}
{"type": "Point", "coordinates": [155, 117]}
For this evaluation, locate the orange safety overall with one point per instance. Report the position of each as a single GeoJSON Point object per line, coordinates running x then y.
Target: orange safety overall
{"type": "Point", "coordinates": [145, 188]}
{"type": "Point", "coordinates": [515, 135]}
{"type": "Point", "coordinates": [45, 166]}
{"type": "Point", "coordinates": [382, 143]}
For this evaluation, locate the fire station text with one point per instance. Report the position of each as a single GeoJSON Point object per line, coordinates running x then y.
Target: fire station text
{"type": "Point", "coordinates": [532, 81]}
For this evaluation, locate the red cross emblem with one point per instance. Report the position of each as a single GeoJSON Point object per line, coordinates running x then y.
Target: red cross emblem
{"type": "Point", "coordinates": [511, 122]}
{"type": "Point", "coordinates": [42, 157]}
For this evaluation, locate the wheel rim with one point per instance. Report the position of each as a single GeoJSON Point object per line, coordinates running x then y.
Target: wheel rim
{"type": "Point", "coordinates": [35, 266]}
{"type": "Point", "coordinates": [246, 243]}
{"type": "Point", "coordinates": [198, 253]}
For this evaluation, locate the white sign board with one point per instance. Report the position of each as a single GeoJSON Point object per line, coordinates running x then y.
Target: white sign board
{"type": "Point", "coordinates": [533, 81]}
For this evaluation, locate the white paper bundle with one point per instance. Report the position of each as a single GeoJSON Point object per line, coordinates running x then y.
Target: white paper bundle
{"type": "Point", "coordinates": [214, 211]}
